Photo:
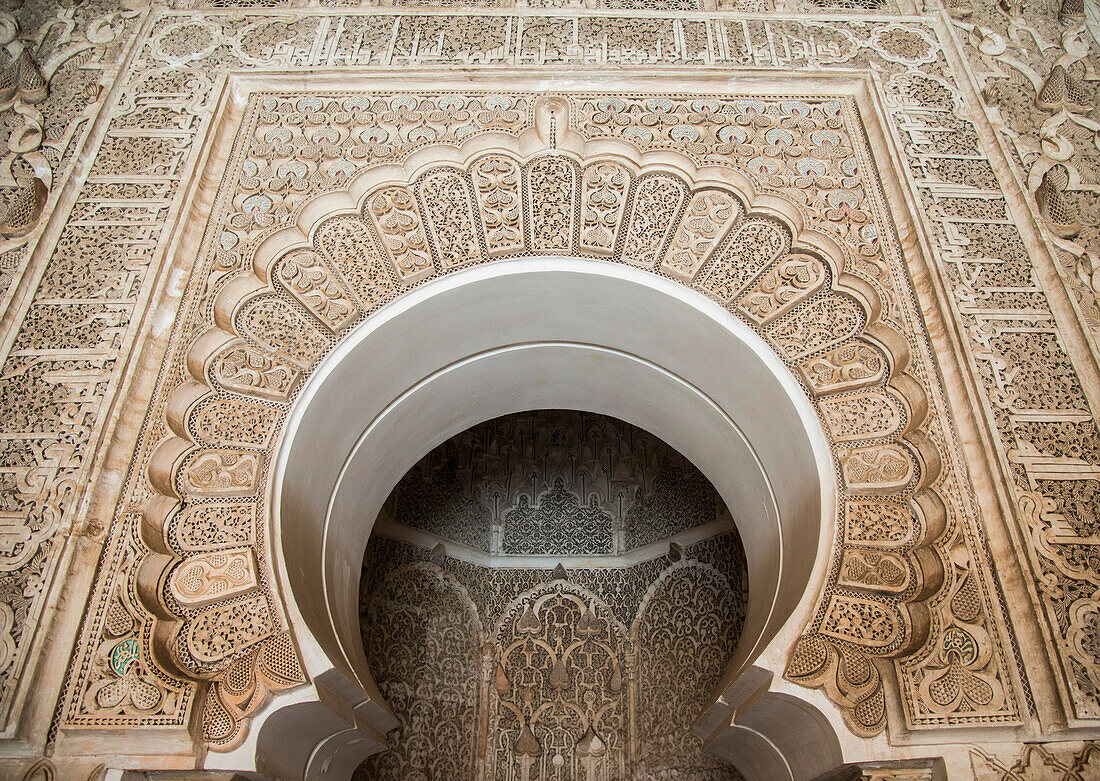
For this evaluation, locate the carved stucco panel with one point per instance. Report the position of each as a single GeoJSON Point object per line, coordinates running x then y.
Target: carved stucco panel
{"type": "Point", "coordinates": [799, 301]}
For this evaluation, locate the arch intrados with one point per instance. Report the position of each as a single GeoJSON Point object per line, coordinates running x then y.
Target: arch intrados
{"type": "Point", "coordinates": [591, 332]}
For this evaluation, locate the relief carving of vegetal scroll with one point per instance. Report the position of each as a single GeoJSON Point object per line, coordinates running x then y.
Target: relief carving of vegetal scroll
{"type": "Point", "coordinates": [397, 218]}
{"type": "Point", "coordinates": [497, 182]}
{"type": "Point", "coordinates": [306, 277]}
{"type": "Point", "coordinates": [564, 683]}
{"type": "Point", "coordinates": [1036, 67]}
{"type": "Point", "coordinates": [551, 203]}
{"type": "Point", "coordinates": [555, 643]}
{"type": "Point", "coordinates": [1037, 761]}
{"type": "Point", "coordinates": [705, 220]}
{"type": "Point", "coordinates": [656, 202]}
{"type": "Point", "coordinates": [810, 278]}
{"type": "Point", "coordinates": [51, 81]}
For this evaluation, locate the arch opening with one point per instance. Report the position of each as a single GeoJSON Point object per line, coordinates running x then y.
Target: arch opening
{"type": "Point", "coordinates": [547, 333]}
{"type": "Point", "coordinates": [553, 588]}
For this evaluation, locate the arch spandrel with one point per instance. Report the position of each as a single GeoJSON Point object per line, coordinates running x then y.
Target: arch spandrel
{"type": "Point", "coordinates": [348, 253]}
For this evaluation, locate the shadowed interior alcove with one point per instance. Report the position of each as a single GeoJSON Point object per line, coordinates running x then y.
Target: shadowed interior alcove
{"type": "Point", "coordinates": [551, 594]}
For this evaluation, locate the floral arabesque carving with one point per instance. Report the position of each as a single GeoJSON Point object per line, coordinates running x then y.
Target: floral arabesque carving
{"type": "Point", "coordinates": [570, 674]}
{"type": "Point", "coordinates": [753, 252]}
{"type": "Point", "coordinates": [1003, 313]}
{"type": "Point", "coordinates": [564, 647]}
{"type": "Point", "coordinates": [1036, 66]}
{"type": "Point", "coordinates": [945, 168]}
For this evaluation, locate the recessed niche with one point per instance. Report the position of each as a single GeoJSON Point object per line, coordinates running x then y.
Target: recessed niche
{"type": "Point", "coordinates": [551, 595]}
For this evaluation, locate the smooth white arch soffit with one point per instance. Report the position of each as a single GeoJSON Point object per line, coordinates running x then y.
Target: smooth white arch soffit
{"type": "Point", "coordinates": [538, 333]}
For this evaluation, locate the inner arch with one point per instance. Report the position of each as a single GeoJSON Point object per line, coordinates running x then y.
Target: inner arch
{"type": "Point", "coordinates": [550, 333]}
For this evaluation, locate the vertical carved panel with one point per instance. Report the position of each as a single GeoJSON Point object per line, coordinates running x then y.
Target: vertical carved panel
{"type": "Point", "coordinates": [603, 198]}
{"type": "Point", "coordinates": [654, 206]}
{"type": "Point", "coordinates": [280, 328]}
{"type": "Point", "coordinates": [352, 250]}
{"type": "Point", "coordinates": [551, 203]}
{"type": "Point", "coordinates": [784, 286]}
{"type": "Point", "coordinates": [500, 206]}
{"type": "Point", "coordinates": [683, 636]}
{"type": "Point", "coordinates": [709, 213]}
{"type": "Point", "coordinates": [445, 196]}
{"type": "Point", "coordinates": [397, 218]}
{"type": "Point", "coordinates": [753, 244]}
{"type": "Point", "coordinates": [559, 691]}
{"type": "Point", "coordinates": [308, 279]}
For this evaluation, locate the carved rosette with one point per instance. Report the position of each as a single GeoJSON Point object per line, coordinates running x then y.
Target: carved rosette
{"type": "Point", "coordinates": [757, 256]}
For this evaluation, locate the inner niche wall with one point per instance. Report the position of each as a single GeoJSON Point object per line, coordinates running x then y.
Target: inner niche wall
{"type": "Point", "coordinates": [551, 595]}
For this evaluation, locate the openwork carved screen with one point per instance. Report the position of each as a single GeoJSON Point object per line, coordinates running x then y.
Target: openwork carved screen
{"type": "Point", "coordinates": [533, 671]}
